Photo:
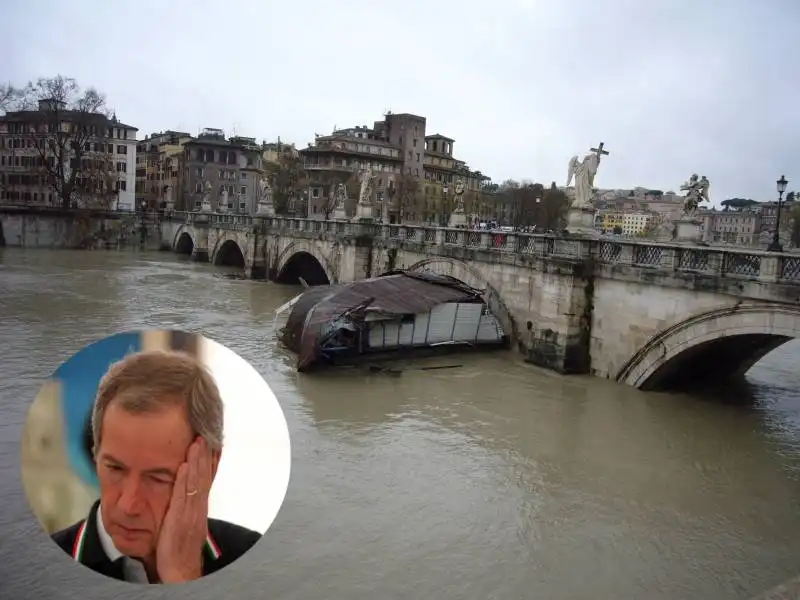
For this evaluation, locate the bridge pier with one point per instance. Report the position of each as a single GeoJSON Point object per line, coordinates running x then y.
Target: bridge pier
{"type": "Point", "coordinates": [561, 341]}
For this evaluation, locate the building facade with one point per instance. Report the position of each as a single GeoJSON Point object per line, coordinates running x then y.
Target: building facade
{"type": "Point", "coordinates": [227, 169]}
{"type": "Point", "coordinates": [740, 228]}
{"type": "Point", "coordinates": [101, 149]}
{"type": "Point", "coordinates": [158, 168]}
{"type": "Point", "coordinates": [629, 224]}
{"type": "Point", "coordinates": [415, 173]}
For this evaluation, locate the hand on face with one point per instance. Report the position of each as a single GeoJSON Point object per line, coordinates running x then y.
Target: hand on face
{"type": "Point", "coordinates": [179, 553]}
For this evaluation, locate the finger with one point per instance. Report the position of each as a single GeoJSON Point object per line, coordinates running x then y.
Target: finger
{"type": "Point", "coordinates": [178, 499]}
{"type": "Point", "coordinates": [192, 475]}
{"type": "Point", "coordinates": [205, 467]}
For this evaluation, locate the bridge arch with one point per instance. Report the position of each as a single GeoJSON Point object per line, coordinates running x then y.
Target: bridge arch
{"type": "Point", "coordinates": [302, 258]}
{"type": "Point", "coordinates": [183, 243]}
{"type": "Point", "coordinates": [471, 276]}
{"type": "Point", "coordinates": [711, 346]}
{"type": "Point", "coordinates": [228, 252]}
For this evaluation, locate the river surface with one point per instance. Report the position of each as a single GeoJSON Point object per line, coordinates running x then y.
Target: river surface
{"type": "Point", "coordinates": [495, 480]}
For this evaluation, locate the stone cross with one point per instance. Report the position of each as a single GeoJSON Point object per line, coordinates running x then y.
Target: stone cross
{"type": "Point", "coordinates": [599, 151]}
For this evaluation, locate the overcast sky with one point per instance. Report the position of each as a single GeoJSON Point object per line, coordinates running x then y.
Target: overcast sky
{"type": "Point", "coordinates": [671, 86]}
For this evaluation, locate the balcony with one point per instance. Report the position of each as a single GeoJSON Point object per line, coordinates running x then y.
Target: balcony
{"type": "Point", "coordinates": [309, 166]}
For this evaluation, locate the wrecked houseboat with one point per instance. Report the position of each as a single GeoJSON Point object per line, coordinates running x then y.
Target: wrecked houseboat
{"type": "Point", "coordinates": [401, 313]}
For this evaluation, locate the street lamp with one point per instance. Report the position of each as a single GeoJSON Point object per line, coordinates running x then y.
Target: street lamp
{"type": "Point", "coordinates": [775, 246]}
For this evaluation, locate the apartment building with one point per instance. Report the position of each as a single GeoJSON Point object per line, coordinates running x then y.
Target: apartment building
{"type": "Point", "coordinates": [741, 228]}
{"type": "Point", "coordinates": [231, 167]}
{"type": "Point", "coordinates": [101, 148]}
{"type": "Point", "coordinates": [630, 224]}
{"type": "Point", "coordinates": [441, 171]}
{"type": "Point", "coordinates": [394, 147]}
{"type": "Point", "coordinates": [158, 166]}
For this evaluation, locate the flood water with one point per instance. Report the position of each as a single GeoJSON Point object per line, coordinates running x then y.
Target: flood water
{"type": "Point", "coordinates": [493, 480]}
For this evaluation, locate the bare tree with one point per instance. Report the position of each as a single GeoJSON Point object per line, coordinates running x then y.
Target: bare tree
{"type": "Point", "coordinates": [331, 181]}
{"type": "Point", "coordinates": [69, 131]}
{"type": "Point", "coordinates": [553, 209]}
{"type": "Point", "coordinates": [405, 195]}
{"type": "Point", "coordinates": [288, 178]}
{"type": "Point", "coordinates": [8, 93]}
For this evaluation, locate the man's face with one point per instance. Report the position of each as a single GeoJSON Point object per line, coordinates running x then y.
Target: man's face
{"type": "Point", "coordinates": [137, 461]}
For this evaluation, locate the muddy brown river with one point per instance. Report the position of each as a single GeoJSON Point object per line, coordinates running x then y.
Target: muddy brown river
{"type": "Point", "coordinates": [494, 480]}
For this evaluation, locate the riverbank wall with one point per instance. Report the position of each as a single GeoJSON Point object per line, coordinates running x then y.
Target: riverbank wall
{"type": "Point", "coordinates": [28, 227]}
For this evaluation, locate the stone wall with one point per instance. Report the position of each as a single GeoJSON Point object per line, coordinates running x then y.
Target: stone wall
{"type": "Point", "coordinates": [73, 229]}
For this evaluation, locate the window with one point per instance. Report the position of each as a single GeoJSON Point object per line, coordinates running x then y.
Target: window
{"type": "Point", "coordinates": [122, 149]}
{"type": "Point", "coordinates": [243, 190]}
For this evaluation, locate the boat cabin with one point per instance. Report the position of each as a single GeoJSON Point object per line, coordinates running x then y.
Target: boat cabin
{"type": "Point", "coordinates": [392, 315]}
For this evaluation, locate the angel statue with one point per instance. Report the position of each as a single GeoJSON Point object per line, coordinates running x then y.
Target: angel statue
{"type": "Point", "coordinates": [459, 193]}
{"type": "Point", "coordinates": [367, 183]}
{"type": "Point", "coordinates": [340, 196]}
{"type": "Point", "coordinates": [696, 192]}
{"type": "Point", "coordinates": [584, 172]}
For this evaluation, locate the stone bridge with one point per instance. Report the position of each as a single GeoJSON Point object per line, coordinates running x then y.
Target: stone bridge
{"type": "Point", "coordinates": [650, 315]}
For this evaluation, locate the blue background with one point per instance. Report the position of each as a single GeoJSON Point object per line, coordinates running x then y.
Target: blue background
{"type": "Point", "coordinates": [79, 377]}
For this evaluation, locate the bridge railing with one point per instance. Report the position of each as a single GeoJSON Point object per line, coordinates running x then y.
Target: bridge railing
{"type": "Point", "coordinates": [731, 262]}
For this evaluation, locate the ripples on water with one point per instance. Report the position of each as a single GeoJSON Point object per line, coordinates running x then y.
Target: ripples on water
{"type": "Point", "coordinates": [492, 480]}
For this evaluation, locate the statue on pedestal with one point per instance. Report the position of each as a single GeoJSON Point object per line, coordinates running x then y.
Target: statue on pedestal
{"type": "Point", "coordinates": [205, 205]}
{"type": "Point", "coordinates": [584, 173]}
{"type": "Point", "coordinates": [223, 199]}
{"type": "Point", "coordinates": [364, 206]}
{"type": "Point", "coordinates": [367, 186]}
{"type": "Point", "coordinates": [265, 205]}
{"type": "Point", "coordinates": [339, 200]}
{"type": "Point", "coordinates": [696, 192]}
{"type": "Point", "coordinates": [457, 217]}
{"type": "Point", "coordinates": [580, 217]}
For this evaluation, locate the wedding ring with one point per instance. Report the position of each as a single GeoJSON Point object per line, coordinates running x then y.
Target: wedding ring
{"type": "Point", "coordinates": [192, 493]}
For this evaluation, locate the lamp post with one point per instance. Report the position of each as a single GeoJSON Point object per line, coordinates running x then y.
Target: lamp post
{"type": "Point", "coordinates": [775, 246]}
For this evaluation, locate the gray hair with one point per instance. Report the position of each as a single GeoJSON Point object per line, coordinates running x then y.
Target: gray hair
{"type": "Point", "coordinates": [149, 381]}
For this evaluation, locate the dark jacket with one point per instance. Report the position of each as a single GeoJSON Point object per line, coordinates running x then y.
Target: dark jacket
{"type": "Point", "coordinates": [226, 543]}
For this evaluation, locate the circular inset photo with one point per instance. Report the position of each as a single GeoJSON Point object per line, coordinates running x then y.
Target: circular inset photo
{"type": "Point", "coordinates": [155, 456]}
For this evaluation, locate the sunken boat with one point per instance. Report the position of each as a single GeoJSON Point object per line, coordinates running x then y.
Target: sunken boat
{"type": "Point", "coordinates": [399, 314]}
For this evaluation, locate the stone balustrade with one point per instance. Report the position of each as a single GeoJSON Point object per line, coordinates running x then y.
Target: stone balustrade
{"type": "Point", "coordinates": [729, 262]}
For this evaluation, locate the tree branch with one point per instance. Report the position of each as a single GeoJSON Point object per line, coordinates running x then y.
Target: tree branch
{"type": "Point", "coordinates": [67, 131]}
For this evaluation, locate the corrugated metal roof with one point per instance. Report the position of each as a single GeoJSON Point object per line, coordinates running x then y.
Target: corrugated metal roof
{"type": "Point", "coordinates": [397, 292]}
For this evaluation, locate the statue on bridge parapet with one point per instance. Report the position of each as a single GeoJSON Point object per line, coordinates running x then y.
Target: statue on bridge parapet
{"type": "Point", "coordinates": [223, 199]}
{"type": "Point", "coordinates": [205, 205]}
{"type": "Point", "coordinates": [584, 173]}
{"type": "Point", "coordinates": [364, 206]}
{"type": "Point", "coordinates": [339, 202]}
{"type": "Point", "coordinates": [580, 217]}
{"type": "Point", "coordinates": [458, 218]}
{"type": "Point", "coordinates": [265, 205]}
{"type": "Point", "coordinates": [688, 227]}
{"type": "Point", "coordinates": [696, 193]}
